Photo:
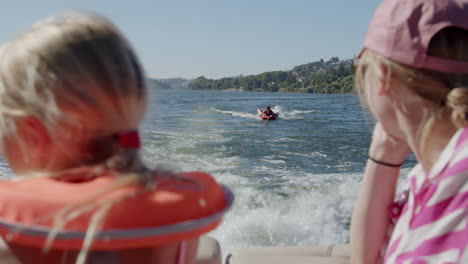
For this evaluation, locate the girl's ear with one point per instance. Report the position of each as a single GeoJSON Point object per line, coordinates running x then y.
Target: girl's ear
{"type": "Point", "coordinates": [35, 133]}
{"type": "Point", "coordinates": [384, 81]}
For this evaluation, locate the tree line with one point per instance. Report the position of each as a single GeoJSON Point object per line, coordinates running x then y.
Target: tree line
{"type": "Point", "coordinates": [167, 84]}
{"type": "Point", "coordinates": [332, 76]}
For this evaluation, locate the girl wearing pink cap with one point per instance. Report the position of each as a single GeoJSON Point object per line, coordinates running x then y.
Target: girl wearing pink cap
{"type": "Point", "coordinates": [412, 75]}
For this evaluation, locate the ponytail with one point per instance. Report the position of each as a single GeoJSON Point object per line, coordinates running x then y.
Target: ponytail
{"type": "Point", "coordinates": [457, 101]}
{"type": "Point", "coordinates": [127, 165]}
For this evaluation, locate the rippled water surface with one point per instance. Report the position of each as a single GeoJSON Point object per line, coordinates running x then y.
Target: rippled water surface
{"type": "Point", "coordinates": [295, 178]}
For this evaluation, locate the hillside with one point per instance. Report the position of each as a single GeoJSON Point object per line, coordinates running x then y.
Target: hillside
{"type": "Point", "coordinates": [332, 76]}
{"type": "Point", "coordinates": [168, 84]}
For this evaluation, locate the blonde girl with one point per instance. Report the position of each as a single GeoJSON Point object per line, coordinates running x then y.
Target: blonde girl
{"type": "Point", "coordinates": [72, 96]}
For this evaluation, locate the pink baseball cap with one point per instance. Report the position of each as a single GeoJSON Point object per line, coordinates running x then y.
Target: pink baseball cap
{"type": "Point", "coordinates": [401, 30]}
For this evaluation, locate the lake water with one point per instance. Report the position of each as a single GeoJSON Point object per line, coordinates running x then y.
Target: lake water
{"type": "Point", "coordinates": [295, 178]}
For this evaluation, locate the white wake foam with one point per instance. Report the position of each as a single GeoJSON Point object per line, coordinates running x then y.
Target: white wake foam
{"type": "Point", "coordinates": [252, 115]}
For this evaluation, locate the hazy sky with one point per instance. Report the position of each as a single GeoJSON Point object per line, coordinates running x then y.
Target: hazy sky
{"type": "Point", "coordinates": [217, 38]}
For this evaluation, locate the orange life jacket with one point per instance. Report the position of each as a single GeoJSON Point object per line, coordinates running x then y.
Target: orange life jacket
{"type": "Point", "coordinates": [180, 208]}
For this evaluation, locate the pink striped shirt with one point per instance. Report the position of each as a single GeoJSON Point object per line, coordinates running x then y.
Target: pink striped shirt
{"type": "Point", "coordinates": [431, 217]}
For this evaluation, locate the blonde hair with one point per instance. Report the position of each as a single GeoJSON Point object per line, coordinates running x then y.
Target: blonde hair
{"type": "Point", "coordinates": [78, 68]}
{"type": "Point", "coordinates": [444, 91]}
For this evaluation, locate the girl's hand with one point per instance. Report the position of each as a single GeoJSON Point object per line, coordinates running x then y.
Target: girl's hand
{"type": "Point", "coordinates": [387, 148]}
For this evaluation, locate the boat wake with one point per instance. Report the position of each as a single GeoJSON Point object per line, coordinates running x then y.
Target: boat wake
{"type": "Point", "coordinates": [295, 114]}
{"type": "Point", "coordinates": [237, 113]}
{"type": "Point", "coordinates": [284, 113]}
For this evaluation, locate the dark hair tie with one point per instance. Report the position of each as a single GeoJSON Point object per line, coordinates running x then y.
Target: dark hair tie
{"type": "Point", "coordinates": [386, 163]}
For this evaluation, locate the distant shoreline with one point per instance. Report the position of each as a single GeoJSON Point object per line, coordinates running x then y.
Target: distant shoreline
{"type": "Point", "coordinates": [334, 76]}
{"type": "Point", "coordinates": [259, 91]}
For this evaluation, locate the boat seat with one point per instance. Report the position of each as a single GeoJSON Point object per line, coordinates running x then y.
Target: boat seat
{"type": "Point", "coordinates": [336, 254]}
{"type": "Point", "coordinates": [209, 251]}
